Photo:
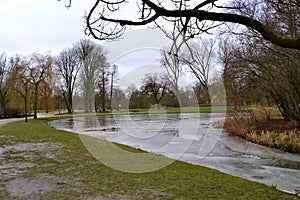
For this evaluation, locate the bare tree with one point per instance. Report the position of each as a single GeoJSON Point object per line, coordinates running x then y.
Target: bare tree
{"type": "Point", "coordinates": [172, 64]}
{"type": "Point", "coordinates": [119, 99]}
{"type": "Point", "coordinates": [200, 59]}
{"type": "Point", "coordinates": [104, 20]}
{"type": "Point", "coordinates": [130, 90]}
{"type": "Point", "coordinates": [92, 58]}
{"type": "Point", "coordinates": [133, 95]}
{"type": "Point", "coordinates": [103, 82]}
{"type": "Point", "coordinates": [113, 74]}
{"type": "Point", "coordinates": [263, 65]}
{"type": "Point", "coordinates": [4, 89]}
{"type": "Point", "coordinates": [47, 100]}
{"type": "Point", "coordinates": [40, 67]}
{"type": "Point", "coordinates": [19, 80]}
{"type": "Point", "coordinates": [68, 67]}
{"type": "Point", "coordinates": [154, 87]}
{"type": "Point", "coordinates": [231, 75]}
{"type": "Point", "coordinates": [271, 71]}
{"type": "Point", "coordinates": [172, 58]}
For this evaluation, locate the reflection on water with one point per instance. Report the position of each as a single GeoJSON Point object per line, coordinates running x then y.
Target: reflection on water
{"type": "Point", "coordinates": [167, 134]}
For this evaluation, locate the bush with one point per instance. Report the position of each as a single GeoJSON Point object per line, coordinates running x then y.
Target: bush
{"type": "Point", "coordinates": [256, 125]}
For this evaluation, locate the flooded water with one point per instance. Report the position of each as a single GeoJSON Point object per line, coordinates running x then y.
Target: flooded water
{"type": "Point", "coordinates": [189, 137]}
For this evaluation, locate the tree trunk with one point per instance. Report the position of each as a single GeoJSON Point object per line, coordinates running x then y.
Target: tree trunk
{"type": "Point", "coordinates": [207, 95]}
{"type": "Point", "coordinates": [68, 103]}
{"type": "Point", "coordinates": [111, 91]}
{"type": "Point", "coordinates": [35, 105]}
{"type": "Point", "coordinates": [103, 92]}
{"type": "Point", "coordinates": [26, 109]}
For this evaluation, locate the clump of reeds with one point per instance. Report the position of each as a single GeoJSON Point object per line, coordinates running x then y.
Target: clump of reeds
{"type": "Point", "coordinates": [244, 124]}
{"type": "Point", "coordinates": [287, 141]}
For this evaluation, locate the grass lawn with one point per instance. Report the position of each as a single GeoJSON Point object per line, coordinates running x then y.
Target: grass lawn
{"type": "Point", "coordinates": [162, 110]}
{"type": "Point", "coordinates": [54, 164]}
{"type": "Point", "coordinates": [201, 109]}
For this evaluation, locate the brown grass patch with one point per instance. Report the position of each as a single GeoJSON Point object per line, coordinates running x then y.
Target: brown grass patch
{"type": "Point", "coordinates": [259, 126]}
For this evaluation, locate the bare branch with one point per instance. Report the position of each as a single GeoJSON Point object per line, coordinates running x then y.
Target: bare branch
{"type": "Point", "coordinates": [69, 3]}
{"type": "Point", "coordinates": [191, 21]}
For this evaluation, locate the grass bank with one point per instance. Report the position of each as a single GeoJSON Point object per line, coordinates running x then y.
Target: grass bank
{"type": "Point", "coordinates": [201, 109]}
{"type": "Point", "coordinates": [39, 162]}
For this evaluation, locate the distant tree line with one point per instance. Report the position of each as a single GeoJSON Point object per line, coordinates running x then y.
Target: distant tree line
{"type": "Point", "coordinates": [25, 84]}
{"type": "Point", "coordinates": [44, 82]}
{"type": "Point", "coordinates": [80, 77]}
{"type": "Point", "coordinates": [254, 71]}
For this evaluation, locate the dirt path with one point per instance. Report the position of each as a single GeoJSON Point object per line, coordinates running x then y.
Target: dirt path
{"type": "Point", "coordinates": [40, 115]}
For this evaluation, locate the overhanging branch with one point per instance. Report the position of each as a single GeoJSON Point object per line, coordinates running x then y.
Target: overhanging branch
{"type": "Point", "coordinates": [201, 15]}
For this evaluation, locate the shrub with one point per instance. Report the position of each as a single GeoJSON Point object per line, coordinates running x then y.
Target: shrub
{"type": "Point", "coordinates": [255, 125]}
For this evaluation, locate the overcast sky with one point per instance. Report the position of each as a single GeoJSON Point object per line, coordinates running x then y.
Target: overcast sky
{"type": "Point", "coordinates": [28, 26]}
{"type": "Point", "coordinates": [42, 26]}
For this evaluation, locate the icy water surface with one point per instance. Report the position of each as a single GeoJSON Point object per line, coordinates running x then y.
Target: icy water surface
{"type": "Point", "coordinates": [189, 137]}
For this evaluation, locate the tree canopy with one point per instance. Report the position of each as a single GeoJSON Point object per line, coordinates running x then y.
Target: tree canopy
{"type": "Point", "coordinates": [108, 19]}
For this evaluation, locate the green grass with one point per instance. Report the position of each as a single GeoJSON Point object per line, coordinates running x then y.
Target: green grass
{"type": "Point", "coordinates": [204, 109]}
{"type": "Point", "coordinates": [80, 176]}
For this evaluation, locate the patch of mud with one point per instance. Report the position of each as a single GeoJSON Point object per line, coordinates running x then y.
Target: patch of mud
{"type": "Point", "coordinates": [11, 170]}
{"type": "Point", "coordinates": [140, 194]}
{"type": "Point", "coordinates": [5, 136]}
{"type": "Point", "coordinates": [15, 159]}
{"type": "Point", "coordinates": [46, 149]}
{"type": "Point", "coordinates": [153, 194]}
{"type": "Point", "coordinates": [40, 147]}
{"type": "Point", "coordinates": [18, 165]}
{"type": "Point", "coordinates": [28, 188]}
{"type": "Point", "coordinates": [111, 196]}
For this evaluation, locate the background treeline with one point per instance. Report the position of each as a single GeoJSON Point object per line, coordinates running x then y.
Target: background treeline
{"type": "Point", "coordinates": [80, 78]}
{"type": "Point", "coordinates": [238, 68]}
{"type": "Point", "coordinates": [26, 83]}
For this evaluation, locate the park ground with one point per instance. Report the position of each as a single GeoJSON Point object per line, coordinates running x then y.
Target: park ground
{"type": "Point", "coordinates": [39, 162]}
